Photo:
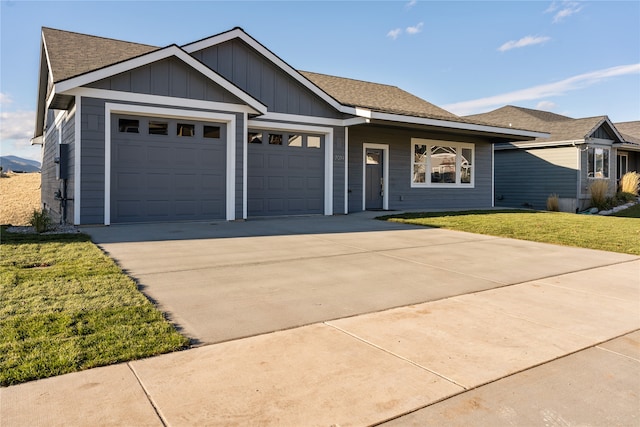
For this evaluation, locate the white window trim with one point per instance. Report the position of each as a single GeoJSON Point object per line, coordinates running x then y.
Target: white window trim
{"type": "Point", "coordinates": [385, 173]}
{"type": "Point", "coordinates": [594, 163]}
{"type": "Point", "coordinates": [228, 119]}
{"type": "Point", "coordinates": [328, 152]}
{"type": "Point", "coordinates": [433, 142]}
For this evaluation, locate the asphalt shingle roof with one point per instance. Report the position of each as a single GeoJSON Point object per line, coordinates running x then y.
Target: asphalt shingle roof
{"type": "Point", "coordinates": [377, 97]}
{"type": "Point", "coordinates": [72, 54]}
{"type": "Point", "coordinates": [561, 128]}
{"type": "Point", "coordinates": [630, 131]}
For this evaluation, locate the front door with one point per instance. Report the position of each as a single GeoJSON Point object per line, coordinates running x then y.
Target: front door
{"type": "Point", "coordinates": [374, 179]}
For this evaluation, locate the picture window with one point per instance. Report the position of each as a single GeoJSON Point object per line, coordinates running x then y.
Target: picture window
{"type": "Point", "coordinates": [598, 163]}
{"type": "Point", "coordinates": [129, 126]}
{"type": "Point", "coordinates": [439, 163]}
{"type": "Point", "coordinates": [211, 132]}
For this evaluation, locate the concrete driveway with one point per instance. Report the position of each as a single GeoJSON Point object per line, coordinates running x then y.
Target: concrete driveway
{"type": "Point", "coordinates": [222, 281]}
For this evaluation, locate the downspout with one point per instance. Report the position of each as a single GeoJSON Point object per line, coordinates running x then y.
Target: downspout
{"type": "Point", "coordinates": [579, 169]}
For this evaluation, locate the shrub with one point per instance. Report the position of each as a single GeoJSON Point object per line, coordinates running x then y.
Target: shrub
{"type": "Point", "coordinates": [625, 197]}
{"type": "Point", "coordinates": [553, 203]}
{"type": "Point", "coordinates": [40, 220]}
{"type": "Point", "coordinates": [629, 183]}
{"type": "Point", "coordinates": [599, 189]}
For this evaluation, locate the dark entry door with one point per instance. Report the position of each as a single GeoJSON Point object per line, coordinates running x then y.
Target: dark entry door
{"type": "Point", "coordinates": [374, 179]}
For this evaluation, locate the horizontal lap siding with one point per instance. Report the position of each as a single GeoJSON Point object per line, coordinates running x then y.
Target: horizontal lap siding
{"type": "Point", "coordinates": [526, 178]}
{"type": "Point", "coordinates": [93, 161]}
{"type": "Point", "coordinates": [339, 157]}
{"type": "Point", "coordinates": [401, 195]}
{"type": "Point", "coordinates": [49, 183]}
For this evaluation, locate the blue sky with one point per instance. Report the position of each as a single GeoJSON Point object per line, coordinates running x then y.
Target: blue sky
{"type": "Point", "coordinates": [579, 59]}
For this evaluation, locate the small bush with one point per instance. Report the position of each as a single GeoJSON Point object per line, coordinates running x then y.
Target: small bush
{"type": "Point", "coordinates": [630, 182]}
{"type": "Point", "coordinates": [625, 197]}
{"type": "Point", "coordinates": [553, 203]}
{"type": "Point", "coordinates": [599, 189]}
{"type": "Point", "coordinates": [40, 220]}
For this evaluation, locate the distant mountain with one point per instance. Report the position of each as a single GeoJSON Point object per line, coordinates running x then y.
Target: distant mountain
{"type": "Point", "coordinates": [18, 164]}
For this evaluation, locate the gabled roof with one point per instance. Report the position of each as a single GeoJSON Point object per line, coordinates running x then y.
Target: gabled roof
{"type": "Point", "coordinates": [560, 128]}
{"type": "Point", "coordinates": [71, 54]}
{"type": "Point", "coordinates": [630, 131]}
{"type": "Point", "coordinates": [377, 97]}
{"type": "Point", "coordinates": [74, 60]}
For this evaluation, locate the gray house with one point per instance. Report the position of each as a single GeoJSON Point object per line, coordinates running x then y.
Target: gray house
{"type": "Point", "coordinates": [222, 128]}
{"type": "Point", "coordinates": [577, 152]}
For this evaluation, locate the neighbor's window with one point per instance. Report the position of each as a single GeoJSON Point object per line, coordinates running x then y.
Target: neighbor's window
{"type": "Point", "coordinates": [185, 129]}
{"type": "Point", "coordinates": [275, 139]}
{"type": "Point", "coordinates": [295, 140]}
{"type": "Point", "coordinates": [598, 162]}
{"type": "Point", "coordinates": [255, 138]}
{"type": "Point", "coordinates": [439, 163]}
{"type": "Point", "coordinates": [211, 132]}
{"type": "Point", "coordinates": [313, 142]}
{"type": "Point", "coordinates": [158, 128]}
{"type": "Point", "coordinates": [129, 125]}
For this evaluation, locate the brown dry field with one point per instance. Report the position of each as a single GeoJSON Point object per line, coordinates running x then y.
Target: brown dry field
{"type": "Point", "coordinates": [19, 196]}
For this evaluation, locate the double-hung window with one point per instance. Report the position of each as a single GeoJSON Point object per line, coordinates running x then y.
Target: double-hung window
{"type": "Point", "coordinates": [442, 163]}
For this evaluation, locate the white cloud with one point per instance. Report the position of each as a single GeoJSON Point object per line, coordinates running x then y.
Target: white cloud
{"type": "Point", "coordinates": [5, 99]}
{"type": "Point", "coordinates": [541, 91]}
{"type": "Point", "coordinates": [525, 41]}
{"type": "Point", "coordinates": [563, 9]}
{"type": "Point", "coordinates": [394, 34]}
{"type": "Point", "coordinates": [17, 125]}
{"type": "Point", "coordinates": [545, 105]}
{"type": "Point", "coordinates": [415, 29]}
{"type": "Point", "coordinates": [411, 3]}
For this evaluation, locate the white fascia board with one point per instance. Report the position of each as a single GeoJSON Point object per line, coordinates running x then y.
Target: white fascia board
{"type": "Point", "coordinates": [114, 95]}
{"type": "Point", "coordinates": [456, 125]}
{"type": "Point", "coordinates": [627, 146]}
{"type": "Point", "coordinates": [315, 120]}
{"type": "Point", "coordinates": [38, 140]}
{"type": "Point", "coordinates": [158, 55]}
{"type": "Point", "coordinates": [546, 144]}
{"type": "Point", "coordinates": [238, 33]}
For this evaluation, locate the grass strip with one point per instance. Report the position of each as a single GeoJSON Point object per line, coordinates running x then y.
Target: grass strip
{"type": "Point", "coordinates": [65, 306]}
{"type": "Point", "coordinates": [605, 233]}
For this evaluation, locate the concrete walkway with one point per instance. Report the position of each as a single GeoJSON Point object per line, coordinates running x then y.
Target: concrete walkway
{"type": "Point", "coordinates": [548, 337]}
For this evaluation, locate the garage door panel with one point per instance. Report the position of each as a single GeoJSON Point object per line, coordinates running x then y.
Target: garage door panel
{"type": "Point", "coordinates": [167, 177]}
{"type": "Point", "coordinates": [284, 180]}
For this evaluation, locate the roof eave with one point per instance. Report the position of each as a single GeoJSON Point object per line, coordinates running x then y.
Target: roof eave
{"type": "Point", "coordinates": [505, 132]}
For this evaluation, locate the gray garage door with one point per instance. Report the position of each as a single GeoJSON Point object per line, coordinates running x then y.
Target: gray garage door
{"type": "Point", "coordinates": [167, 170]}
{"type": "Point", "coordinates": [285, 174]}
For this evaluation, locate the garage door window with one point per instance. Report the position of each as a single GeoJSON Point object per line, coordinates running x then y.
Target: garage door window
{"type": "Point", "coordinates": [314, 142]}
{"type": "Point", "coordinates": [295, 140]}
{"type": "Point", "coordinates": [158, 128]}
{"type": "Point", "coordinates": [185, 129]}
{"type": "Point", "coordinates": [212, 132]}
{"type": "Point", "coordinates": [275, 139]}
{"type": "Point", "coordinates": [255, 138]}
{"type": "Point", "coordinates": [128, 125]}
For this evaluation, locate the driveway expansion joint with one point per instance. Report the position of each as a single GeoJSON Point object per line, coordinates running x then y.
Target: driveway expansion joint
{"type": "Point", "coordinates": [148, 396]}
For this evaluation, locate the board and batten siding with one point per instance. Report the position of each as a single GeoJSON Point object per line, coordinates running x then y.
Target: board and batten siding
{"type": "Point", "coordinates": [250, 71]}
{"type": "Point", "coordinates": [526, 178]}
{"type": "Point", "coordinates": [168, 77]}
{"type": "Point", "coordinates": [401, 195]}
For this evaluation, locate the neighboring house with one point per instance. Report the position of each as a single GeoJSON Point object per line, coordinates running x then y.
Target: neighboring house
{"type": "Point", "coordinates": [628, 153]}
{"type": "Point", "coordinates": [565, 163]}
{"type": "Point", "coordinates": [222, 128]}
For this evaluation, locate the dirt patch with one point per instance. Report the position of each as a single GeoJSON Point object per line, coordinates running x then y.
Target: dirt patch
{"type": "Point", "coordinates": [19, 196]}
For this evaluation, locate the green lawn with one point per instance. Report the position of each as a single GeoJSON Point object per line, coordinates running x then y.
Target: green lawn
{"type": "Point", "coordinates": [613, 234]}
{"type": "Point", "coordinates": [65, 306]}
